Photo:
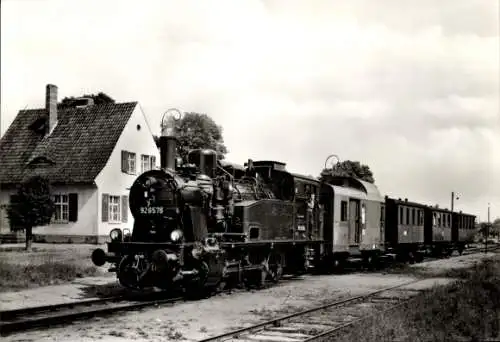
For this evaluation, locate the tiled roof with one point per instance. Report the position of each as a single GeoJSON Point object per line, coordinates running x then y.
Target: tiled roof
{"type": "Point", "coordinates": [76, 150]}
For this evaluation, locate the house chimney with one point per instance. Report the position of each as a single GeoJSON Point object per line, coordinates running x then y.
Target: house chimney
{"type": "Point", "coordinates": [51, 107]}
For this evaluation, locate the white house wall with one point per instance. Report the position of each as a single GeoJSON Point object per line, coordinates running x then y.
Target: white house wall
{"type": "Point", "coordinates": [85, 225]}
{"type": "Point", "coordinates": [111, 180]}
{"type": "Point", "coordinates": [4, 221]}
{"type": "Point", "coordinates": [84, 229]}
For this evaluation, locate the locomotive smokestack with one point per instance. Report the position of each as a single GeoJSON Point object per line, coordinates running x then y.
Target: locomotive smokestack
{"type": "Point", "coordinates": [168, 139]}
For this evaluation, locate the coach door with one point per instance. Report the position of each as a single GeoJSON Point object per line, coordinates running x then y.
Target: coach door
{"type": "Point", "coordinates": [354, 221]}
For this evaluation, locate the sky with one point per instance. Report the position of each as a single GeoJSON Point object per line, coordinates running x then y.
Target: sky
{"type": "Point", "coordinates": [410, 88]}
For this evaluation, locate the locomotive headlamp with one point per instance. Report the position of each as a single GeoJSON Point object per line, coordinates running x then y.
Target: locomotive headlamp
{"type": "Point", "coordinates": [115, 234]}
{"type": "Point", "coordinates": [176, 235]}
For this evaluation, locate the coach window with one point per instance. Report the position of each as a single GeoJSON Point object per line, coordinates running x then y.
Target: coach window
{"type": "Point", "coordinates": [400, 215]}
{"type": "Point", "coordinates": [343, 211]}
{"type": "Point", "coordinates": [363, 214]}
{"type": "Point", "coordinates": [449, 220]}
{"type": "Point", "coordinates": [407, 215]}
{"type": "Point", "coordinates": [413, 216]}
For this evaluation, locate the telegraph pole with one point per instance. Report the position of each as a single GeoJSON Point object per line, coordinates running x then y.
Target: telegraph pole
{"type": "Point", "coordinates": [487, 230]}
{"type": "Point", "coordinates": [452, 198]}
{"type": "Point", "coordinates": [488, 214]}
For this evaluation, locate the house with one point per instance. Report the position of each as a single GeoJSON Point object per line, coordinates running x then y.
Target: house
{"type": "Point", "coordinates": [90, 153]}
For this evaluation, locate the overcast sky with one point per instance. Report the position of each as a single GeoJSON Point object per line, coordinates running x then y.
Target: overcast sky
{"type": "Point", "coordinates": [410, 88]}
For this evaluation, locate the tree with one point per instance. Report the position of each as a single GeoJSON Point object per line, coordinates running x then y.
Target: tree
{"type": "Point", "coordinates": [196, 130]}
{"type": "Point", "coordinates": [350, 168]}
{"type": "Point", "coordinates": [31, 206]}
{"type": "Point", "coordinates": [99, 99]}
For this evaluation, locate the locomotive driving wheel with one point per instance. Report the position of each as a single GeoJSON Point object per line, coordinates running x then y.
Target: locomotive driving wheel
{"type": "Point", "coordinates": [275, 268]}
{"type": "Point", "coordinates": [131, 270]}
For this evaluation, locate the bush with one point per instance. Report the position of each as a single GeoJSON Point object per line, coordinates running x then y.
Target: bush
{"type": "Point", "coordinates": [468, 309]}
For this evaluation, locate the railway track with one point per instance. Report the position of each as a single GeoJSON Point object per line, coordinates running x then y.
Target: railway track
{"type": "Point", "coordinates": [319, 323]}
{"type": "Point", "coordinates": [49, 315]}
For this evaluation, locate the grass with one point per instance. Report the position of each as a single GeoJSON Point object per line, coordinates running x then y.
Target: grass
{"type": "Point", "coordinates": [45, 265]}
{"type": "Point", "coordinates": [466, 310]}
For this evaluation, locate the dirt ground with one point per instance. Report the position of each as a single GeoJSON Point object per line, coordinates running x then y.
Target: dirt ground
{"type": "Point", "coordinates": [191, 321]}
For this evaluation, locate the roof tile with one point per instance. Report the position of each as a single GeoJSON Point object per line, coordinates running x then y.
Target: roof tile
{"type": "Point", "coordinates": [79, 146]}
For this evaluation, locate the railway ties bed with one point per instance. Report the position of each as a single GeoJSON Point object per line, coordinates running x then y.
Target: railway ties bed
{"type": "Point", "coordinates": [319, 323]}
{"type": "Point", "coordinates": [49, 315]}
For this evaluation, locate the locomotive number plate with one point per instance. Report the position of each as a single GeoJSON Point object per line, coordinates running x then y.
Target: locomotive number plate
{"type": "Point", "coordinates": [151, 210]}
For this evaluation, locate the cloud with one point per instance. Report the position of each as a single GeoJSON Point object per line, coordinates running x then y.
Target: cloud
{"type": "Point", "coordinates": [410, 89]}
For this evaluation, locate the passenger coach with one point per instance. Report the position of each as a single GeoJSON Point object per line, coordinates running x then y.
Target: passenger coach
{"type": "Point", "coordinates": [351, 220]}
{"type": "Point", "coordinates": [437, 230]}
{"type": "Point", "coordinates": [404, 233]}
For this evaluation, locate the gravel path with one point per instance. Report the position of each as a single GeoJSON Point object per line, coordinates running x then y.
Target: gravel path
{"type": "Point", "coordinates": [191, 321]}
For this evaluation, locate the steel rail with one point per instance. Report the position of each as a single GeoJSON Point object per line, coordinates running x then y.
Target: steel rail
{"type": "Point", "coordinates": [330, 332]}
{"type": "Point", "coordinates": [274, 322]}
{"type": "Point", "coordinates": [241, 333]}
{"type": "Point", "coordinates": [11, 320]}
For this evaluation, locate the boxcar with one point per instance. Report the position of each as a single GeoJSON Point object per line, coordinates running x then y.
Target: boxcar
{"type": "Point", "coordinates": [404, 228]}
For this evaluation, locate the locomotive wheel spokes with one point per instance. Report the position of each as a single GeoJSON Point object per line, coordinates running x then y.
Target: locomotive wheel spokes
{"type": "Point", "coordinates": [129, 272]}
{"type": "Point", "coordinates": [275, 268]}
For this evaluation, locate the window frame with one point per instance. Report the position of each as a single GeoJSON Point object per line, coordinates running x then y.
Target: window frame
{"type": "Point", "coordinates": [114, 208]}
{"type": "Point", "coordinates": [61, 204]}
{"type": "Point", "coordinates": [129, 162]}
{"type": "Point", "coordinates": [343, 211]}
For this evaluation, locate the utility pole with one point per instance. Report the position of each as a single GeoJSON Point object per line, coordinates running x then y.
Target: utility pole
{"type": "Point", "coordinates": [487, 233]}
{"type": "Point", "coordinates": [488, 214]}
{"type": "Point", "coordinates": [452, 198]}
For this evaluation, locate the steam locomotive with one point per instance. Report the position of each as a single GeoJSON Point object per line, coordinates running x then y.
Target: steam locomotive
{"type": "Point", "coordinates": [203, 224]}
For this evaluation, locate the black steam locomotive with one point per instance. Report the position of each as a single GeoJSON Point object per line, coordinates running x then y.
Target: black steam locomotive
{"type": "Point", "coordinates": [203, 223]}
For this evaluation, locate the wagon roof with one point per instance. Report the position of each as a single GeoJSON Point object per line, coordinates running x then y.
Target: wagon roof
{"type": "Point", "coordinates": [348, 191]}
{"type": "Point", "coordinates": [308, 179]}
{"type": "Point", "coordinates": [355, 187]}
{"type": "Point", "coordinates": [406, 202]}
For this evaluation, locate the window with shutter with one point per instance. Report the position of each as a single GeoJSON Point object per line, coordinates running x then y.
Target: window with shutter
{"type": "Point", "coordinates": [124, 208]}
{"type": "Point", "coordinates": [114, 209]}
{"type": "Point", "coordinates": [105, 207]}
{"type": "Point", "coordinates": [73, 207]}
{"type": "Point", "coordinates": [61, 213]}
